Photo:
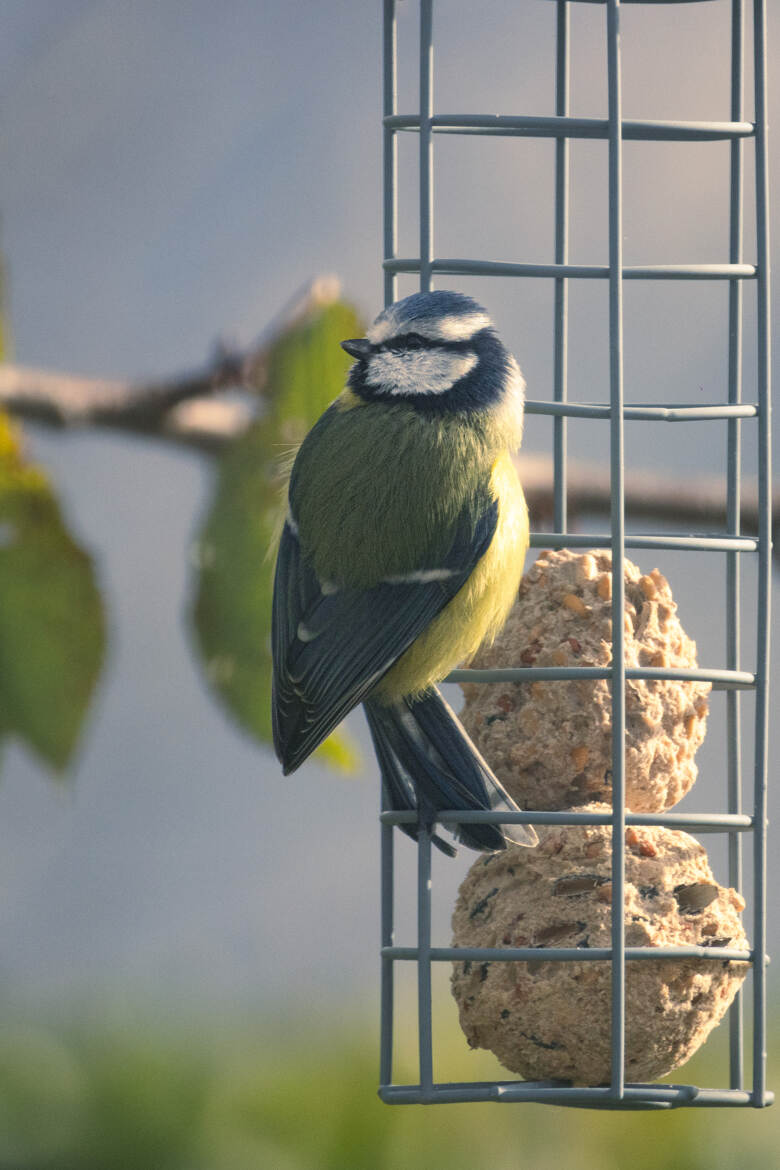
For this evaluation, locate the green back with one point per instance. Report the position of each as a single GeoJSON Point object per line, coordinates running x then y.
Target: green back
{"type": "Point", "coordinates": [376, 489]}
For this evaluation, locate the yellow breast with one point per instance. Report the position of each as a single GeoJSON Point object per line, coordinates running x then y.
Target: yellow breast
{"type": "Point", "coordinates": [479, 609]}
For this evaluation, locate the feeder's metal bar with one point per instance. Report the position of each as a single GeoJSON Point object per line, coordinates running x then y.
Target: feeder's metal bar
{"type": "Point", "coordinates": [562, 127]}
{"type": "Point", "coordinates": [387, 977]}
{"type": "Point", "coordinates": [561, 308]}
{"type": "Point", "coordinates": [563, 954]}
{"type": "Point", "coordinates": [426, 144]}
{"type": "Point", "coordinates": [601, 410]}
{"type": "Point", "coordinates": [424, 1022]}
{"type": "Point", "coordinates": [764, 553]}
{"type": "Point", "coordinates": [541, 1092]}
{"type": "Point", "coordinates": [645, 1]}
{"type": "Point", "coordinates": [423, 955]}
{"type": "Point", "coordinates": [733, 516]}
{"type": "Point", "coordinates": [692, 822]}
{"type": "Point", "coordinates": [462, 267]}
{"type": "Point", "coordinates": [638, 1096]}
{"type": "Point", "coordinates": [617, 500]}
{"type": "Point", "coordinates": [730, 544]}
{"type": "Point", "coordinates": [390, 145]}
{"type": "Point", "coordinates": [390, 169]}
{"type": "Point", "coordinates": [720, 679]}
{"type": "Point", "coordinates": [387, 972]}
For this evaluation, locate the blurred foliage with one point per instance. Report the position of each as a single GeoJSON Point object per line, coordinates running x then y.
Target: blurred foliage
{"type": "Point", "coordinates": [274, 1097]}
{"type": "Point", "coordinates": [305, 370]}
{"type": "Point", "coordinates": [52, 629]}
{"type": "Point", "coordinates": [51, 618]}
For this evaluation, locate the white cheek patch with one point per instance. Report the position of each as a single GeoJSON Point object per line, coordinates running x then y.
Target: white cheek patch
{"type": "Point", "coordinates": [419, 372]}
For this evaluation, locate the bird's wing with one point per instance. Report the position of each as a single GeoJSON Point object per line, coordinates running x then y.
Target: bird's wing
{"type": "Point", "coordinates": [331, 646]}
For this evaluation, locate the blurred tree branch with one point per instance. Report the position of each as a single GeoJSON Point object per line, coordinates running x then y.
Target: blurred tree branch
{"type": "Point", "coordinates": [183, 409]}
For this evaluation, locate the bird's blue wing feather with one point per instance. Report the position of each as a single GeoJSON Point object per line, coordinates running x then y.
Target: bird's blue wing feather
{"type": "Point", "coordinates": [331, 646]}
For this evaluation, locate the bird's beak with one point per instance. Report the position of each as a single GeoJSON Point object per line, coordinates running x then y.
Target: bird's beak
{"type": "Point", "coordinates": [357, 348]}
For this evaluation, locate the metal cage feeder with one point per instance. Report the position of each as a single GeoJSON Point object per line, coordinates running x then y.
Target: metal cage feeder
{"type": "Point", "coordinates": [562, 126]}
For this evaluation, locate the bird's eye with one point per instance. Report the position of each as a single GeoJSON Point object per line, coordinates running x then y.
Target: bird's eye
{"type": "Point", "coordinates": [403, 343]}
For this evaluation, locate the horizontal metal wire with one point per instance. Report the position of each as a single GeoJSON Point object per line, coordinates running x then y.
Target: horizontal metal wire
{"type": "Point", "coordinates": [695, 822]}
{"type": "Point", "coordinates": [605, 2]}
{"type": "Point", "coordinates": [720, 679]}
{"type": "Point", "coordinates": [564, 954]}
{"type": "Point", "coordinates": [576, 271]}
{"type": "Point", "coordinates": [594, 540]}
{"type": "Point", "coordinates": [648, 413]}
{"type": "Point", "coordinates": [533, 126]}
{"type": "Point", "coordinates": [633, 1097]}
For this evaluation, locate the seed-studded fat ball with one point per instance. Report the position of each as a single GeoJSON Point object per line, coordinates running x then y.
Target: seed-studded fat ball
{"type": "Point", "coordinates": [549, 743]}
{"type": "Point", "coordinates": [552, 1019]}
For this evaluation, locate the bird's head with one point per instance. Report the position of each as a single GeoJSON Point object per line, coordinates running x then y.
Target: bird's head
{"type": "Point", "coordinates": [438, 352]}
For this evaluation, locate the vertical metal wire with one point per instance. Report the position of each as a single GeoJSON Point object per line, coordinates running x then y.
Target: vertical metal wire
{"type": "Point", "coordinates": [734, 473]}
{"type": "Point", "coordinates": [424, 1024]}
{"type": "Point", "coordinates": [388, 969]}
{"type": "Point", "coordinates": [426, 144]}
{"type": "Point", "coordinates": [764, 556]}
{"type": "Point", "coordinates": [618, 544]}
{"type": "Point", "coordinates": [390, 145]}
{"type": "Point", "coordinates": [390, 168]}
{"type": "Point", "coordinates": [560, 359]}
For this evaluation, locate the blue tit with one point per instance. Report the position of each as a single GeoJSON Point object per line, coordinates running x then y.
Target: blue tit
{"type": "Point", "coordinates": [401, 552]}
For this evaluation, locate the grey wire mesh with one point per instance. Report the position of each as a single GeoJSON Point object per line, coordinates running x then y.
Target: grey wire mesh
{"type": "Point", "coordinates": [562, 127]}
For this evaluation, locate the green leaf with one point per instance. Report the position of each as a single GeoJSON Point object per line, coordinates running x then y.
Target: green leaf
{"type": "Point", "coordinates": [232, 612]}
{"type": "Point", "coordinates": [52, 631]}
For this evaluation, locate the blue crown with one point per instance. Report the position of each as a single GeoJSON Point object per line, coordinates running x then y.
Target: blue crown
{"type": "Point", "coordinates": [443, 303]}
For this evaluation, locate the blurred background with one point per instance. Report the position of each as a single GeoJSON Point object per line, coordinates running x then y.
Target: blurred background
{"type": "Point", "coordinates": [189, 942]}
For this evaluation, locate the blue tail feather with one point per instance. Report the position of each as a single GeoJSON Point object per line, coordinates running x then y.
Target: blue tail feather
{"type": "Point", "coordinates": [429, 763]}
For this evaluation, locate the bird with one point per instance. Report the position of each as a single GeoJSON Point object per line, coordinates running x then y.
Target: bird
{"type": "Point", "coordinates": [401, 552]}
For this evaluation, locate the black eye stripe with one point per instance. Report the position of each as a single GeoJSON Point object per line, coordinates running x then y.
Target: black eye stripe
{"type": "Point", "coordinates": [409, 341]}
{"type": "Point", "coordinates": [414, 341]}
